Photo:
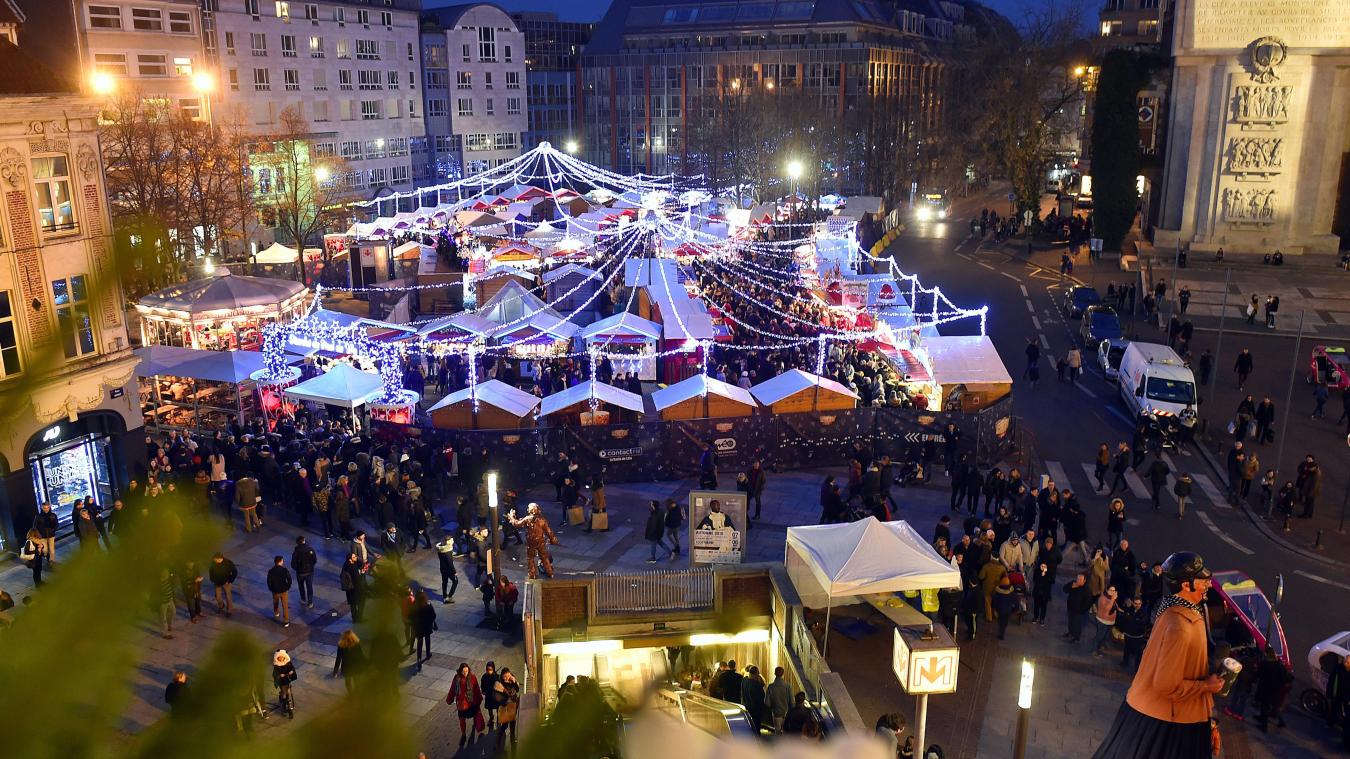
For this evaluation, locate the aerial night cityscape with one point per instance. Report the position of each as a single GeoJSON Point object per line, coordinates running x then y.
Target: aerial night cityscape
{"type": "Point", "coordinates": [675, 379]}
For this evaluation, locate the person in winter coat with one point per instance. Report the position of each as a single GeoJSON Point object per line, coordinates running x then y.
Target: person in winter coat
{"type": "Point", "coordinates": [466, 698]}
{"type": "Point", "coordinates": [247, 496]}
{"type": "Point", "coordinates": [753, 695]}
{"type": "Point", "coordinates": [1132, 623]}
{"type": "Point", "coordinates": [1272, 688]}
{"type": "Point", "coordinates": [222, 574]}
{"type": "Point", "coordinates": [508, 696]}
{"type": "Point", "coordinates": [279, 584]}
{"type": "Point", "coordinates": [423, 619]}
{"type": "Point", "coordinates": [1157, 475]}
{"type": "Point", "coordinates": [1015, 554]}
{"type": "Point", "coordinates": [32, 554]}
{"type": "Point", "coordinates": [283, 675]}
{"type": "Point", "coordinates": [45, 524]}
{"type": "Point", "coordinates": [1152, 587]}
{"type": "Point", "coordinates": [1042, 583]}
{"type": "Point", "coordinates": [352, 580]}
{"type": "Point", "coordinates": [1309, 484]}
{"type": "Point", "coordinates": [303, 562]}
{"type": "Point", "coordinates": [1077, 601]}
{"type": "Point", "coordinates": [1099, 573]}
{"type": "Point", "coordinates": [445, 555]}
{"type": "Point", "coordinates": [1182, 489]}
{"type": "Point", "coordinates": [949, 605]}
{"type": "Point", "coordinates": [343, 506]}
{"type": "Point", "coordinates": [350, 660]}
{"type": "Point", "coordinates": [655, 530]}
{"type": "Point", "coordinates": [1115, 523]}
{"type": "Point", "coordinates": [1104, 613]}
{"type": "Point", "coordinates": [991, 575]}
{"type": "Point", "coordinates": [1005, 605]}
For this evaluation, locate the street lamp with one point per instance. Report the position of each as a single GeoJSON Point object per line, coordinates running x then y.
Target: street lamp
{"type": "Point", "coordinates": [322, 173]}
{"type": "Point", "coordinates": [1024, 708]}
{"type": "Point", "coordinates": [494, 524]}
{"type": "Point", "coordinates": [572, 147]}
{"type": "Point", "coordinates": [102, 83]}
{"type": "Point", "coordinates": [1079, 70]}
{"type": "Point", "coordinates": [203, 82]}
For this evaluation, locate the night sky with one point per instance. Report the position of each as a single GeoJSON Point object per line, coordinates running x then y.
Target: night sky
{"type": "Point", "coordinates": [592, 10]}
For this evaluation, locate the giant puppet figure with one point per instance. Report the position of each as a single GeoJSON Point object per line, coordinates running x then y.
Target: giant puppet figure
{"type": "Point", "coordinates": [538, 536]}
{"type": "Point", "coordinates": [1166, 712]}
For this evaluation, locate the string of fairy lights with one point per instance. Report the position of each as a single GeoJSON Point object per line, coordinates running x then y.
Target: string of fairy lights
{"type": "Point", "coordinates": [657, 215]}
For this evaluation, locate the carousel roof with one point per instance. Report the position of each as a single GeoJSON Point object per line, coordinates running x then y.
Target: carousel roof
{"type": "Point", "coordinates": [223, 292]}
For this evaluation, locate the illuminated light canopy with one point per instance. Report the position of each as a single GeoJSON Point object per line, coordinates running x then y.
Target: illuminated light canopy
{"type": "Point", "coordinates": [715, 639]}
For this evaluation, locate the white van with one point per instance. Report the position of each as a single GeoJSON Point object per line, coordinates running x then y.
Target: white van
{"type": "Point", "coordinates": [1155, 381]}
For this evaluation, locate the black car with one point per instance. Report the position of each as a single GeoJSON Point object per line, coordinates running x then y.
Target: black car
{"type": "Point", "coordinates": [1078, 298]}
{"type": "Point", "coordinates": [1099, 323]}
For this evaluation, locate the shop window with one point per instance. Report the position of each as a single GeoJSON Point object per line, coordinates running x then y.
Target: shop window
{"type": "Point", "coordinates": [9, 337]}
{"type": "Point", "coordinates": [73, 319]}
{"type": "Point", "coordinates": [51, 180]}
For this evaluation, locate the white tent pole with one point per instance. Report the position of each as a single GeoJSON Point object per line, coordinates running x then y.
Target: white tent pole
{"type": "Point", "coordinates": [825, 648]}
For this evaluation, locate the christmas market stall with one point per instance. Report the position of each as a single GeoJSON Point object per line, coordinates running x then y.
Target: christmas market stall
{"type": "Point", "coordinates": [796, 391]}
{"type": "Point", "coordinates": [490, 405]}
{"type": "Point", "coordinates": [627, 334]}
{"type": "Point", "coordinates": [703, 397]}
{"type": "Point", "coordinates": [967, 371]}
{"type": "Point", "coordinates": [590, 403]}
{"type": "Point", "coordinates": [570, 286]}
{"type": "Point", "coordinates": [222, 312]}
{"type": "Point", "coordinates": [343, 385]}
{"type": "Point", "coordinates": [190, 389]}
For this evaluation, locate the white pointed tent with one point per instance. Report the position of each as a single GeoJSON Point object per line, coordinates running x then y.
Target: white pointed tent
{"type": "Point", "coordinates": [276, 253]}
{"type": "Point", "coordinates": [513, 301]}
{"type": "Point", "coordinates": [342, 385]}
{"type": "Point", "coordinates": [833, 561]}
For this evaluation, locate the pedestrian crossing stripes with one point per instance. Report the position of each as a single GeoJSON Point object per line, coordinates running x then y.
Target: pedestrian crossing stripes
{"type": "Point", "coordinates": [1137, 488]}
{"type": "Point", "coordinates": [1137, 485]}
{"type": "Point", "coordinates": [1210, 490]}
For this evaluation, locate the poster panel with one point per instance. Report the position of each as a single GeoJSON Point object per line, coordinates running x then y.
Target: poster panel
{"type": "Point", "coordinates": [717, 521]}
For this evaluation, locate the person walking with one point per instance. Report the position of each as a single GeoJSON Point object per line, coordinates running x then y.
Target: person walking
{"type": "Point", "coordinates": [1005, 605]}
{"type": "Point", "coordinates": [1184, 298]}
{"type": "Point", "coordinates": [1264, 415]}
{"type": "Point", "coordinates": [1115, 523]}
{"type": "Point", "coordinates": [247, 496]}
{"type": "Point", "coordinates": [1253, 308]}
{"type": "Point", "coordinates": [674, 523]}
{"type": "Point", "coordinates": [655, 529]}
{"type": "Point", "coordinates": [445, 555]}
{"type": "Point", "coordinates": [1272, 688]}
{"type": "Point", "coordinates": [1102, 465]}
{"type": "Point", "coordinates": [1320, 396]}
{"type": "Point", "coordinates": [1075, 362]}
{"type": "Point", "coordinates": [1104, 612]}
{"type": "Point", "coordinates": [177, 694]}
{"type": "Point", "coordinates": [1309, 484]}
{"type": "Point", "coordinates": [756, 479]}
{"type": "Point", "coordinates": [423, 618]}
{"type": "Point", "coordinates": [1182, 489]}
{"type": "Point", "coordinates": [167, 609]}
{"type": "Point", "coordinates": [279, 584]}
{"type": "Point", "coordinates": [1243, 367]}
{"type": "Point", "coordinates": [45, 524]}
{"type": "Point", "coordinates": [467, 699]}
{"type": "Point", "coordinates": [223, 574]}
{"type": "Point", "coordinates": [303, 562]}
{"type": "Point", "coordinates": [1042, 584]}
{"type": "Point", "coordinates": [350, 660]}
{"type": "Point", "coordinates": [283, 677]}
{"type": "Point", "coordinates": [1157, 473]}
{"type": "Point", "coordinates": [753, 695]}
{"type": "Point", "coordinates": [508, 696]}
{"type": "Point", "coordinates": [778, 698]}
{"type": "Point", "coordinates": [33, 553]}
{"type": "Point", "coordinates": [352, 580]}
{"type": "Point", "coordinates": [191, 581]}
{"type": "Point", "coordinates": [1122, 463]}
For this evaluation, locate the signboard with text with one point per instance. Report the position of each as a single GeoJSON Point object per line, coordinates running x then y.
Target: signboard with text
{"type": "Point", "coordinates": [716, 535]}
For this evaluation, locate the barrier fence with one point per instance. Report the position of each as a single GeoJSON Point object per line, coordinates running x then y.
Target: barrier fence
{"type": "Point", "coordinates": [663, 450]}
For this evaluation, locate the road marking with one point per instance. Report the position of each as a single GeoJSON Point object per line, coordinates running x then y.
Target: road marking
{"type": "Point", "coordinates": [1083, 387]}
{"type": "Point", "coordinates": [1036, 323]}
{"type": "Point", "coordinates": [1320, 578]}
{"type": "Point", "coordinates": [1121, 415]}
{"type": "Point", "coordinates": [1025, 294]}
{"type": "Point", "coordinates": [1137, 485]}
{"type": "Point", "coordinates": [1045, 342]}
{"type": "Point", "coordinates": [1091, 471]}
{"type": "Point", "coordinates": [1221, 534]}
{"type": "Point", "coordinates": [1132, 521]}
{"type": "Point", "coordinates": [1211, 492]}
{"type": "Point", "coordinates": [987, 266]}
{"type": "Point", "coordinates": [1031, 308]}
{"type": "Point", "coordinates": [1009, 276]}
{"type": "Point", "coordinates": [1057, 474]}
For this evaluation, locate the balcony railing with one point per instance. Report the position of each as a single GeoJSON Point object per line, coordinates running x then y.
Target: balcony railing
{"type": "Point", "coordinates": [654, 591]}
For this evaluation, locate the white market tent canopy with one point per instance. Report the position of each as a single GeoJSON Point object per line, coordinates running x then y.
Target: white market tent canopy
{"type": "Point", "coordinates": [584, 391]}
{"type": "Point", "coordinates": [513, 301]}
{"type": "Point", "coordinates": [494, 393]}
{"type": "Point", "coordinates": [793, 381]}
{"type": "Point", "coordinates": [969, 360]}
{"type": "Point", "coordinates": [276, 253]}
{"type": "Point", "coordinates": [565, 269]}
{"type": "Point", "coordinates": [342, 385]}
{"type": "Point", "coordinates": [832, 561]}
{"type": "Point", "coordinates": [215, 366]}
{"type": "Point", "coordinates": [622, 324]}
{"type": "Point", "coordinates": [698, 386]}
{"type": "Point", "coordinates": [224, 292]}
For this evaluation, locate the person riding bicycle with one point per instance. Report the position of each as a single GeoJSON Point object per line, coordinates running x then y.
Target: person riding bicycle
{"type": "Point", "coordinates": [283, 674]}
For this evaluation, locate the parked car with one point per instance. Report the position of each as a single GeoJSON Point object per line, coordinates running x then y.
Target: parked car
{"type": "Point", "coordinates": [1078, 298]}
{"type": "Point", "coordinates": [1109, 353]}
{"type": "Point", "coordinates": [1099, 323]}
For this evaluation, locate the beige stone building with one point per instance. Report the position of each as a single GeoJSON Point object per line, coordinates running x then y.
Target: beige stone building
{"type": "Point", "coordinates": [1258, 130]}
{"type": "Point", "coordinates": [63, 338]}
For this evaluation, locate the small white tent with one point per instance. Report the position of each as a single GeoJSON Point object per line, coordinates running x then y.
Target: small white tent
{"type": "Point", "coordinates": [343, 385]}
{"type": "Point", "coordinates": [276, 253]}
{"type": "Point", "coordinates": [832, 561]}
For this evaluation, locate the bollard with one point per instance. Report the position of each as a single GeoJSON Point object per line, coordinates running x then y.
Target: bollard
{"type": "Point", "coordinates": [1318, 543]}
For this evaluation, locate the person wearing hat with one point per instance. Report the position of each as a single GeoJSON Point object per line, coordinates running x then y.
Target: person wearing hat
{"type": "Point", "coordinates": [1167, 709]}
{"type": "Point", "coordinates": [283, 674]}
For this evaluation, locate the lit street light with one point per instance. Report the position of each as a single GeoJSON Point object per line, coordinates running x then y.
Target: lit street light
{"type": "Point", "coordinates": [572, 146]}
{"type": "Point", "coordinates": [322, 173]}
{"type": "Point", "coordinates": [1024, 708]}
{"type": "Point", "coordinates": [203, 82]}
{"type": "Point", "coordinates": [102, 83]}
{"type": "Point", "coordinates": [1079, 71]}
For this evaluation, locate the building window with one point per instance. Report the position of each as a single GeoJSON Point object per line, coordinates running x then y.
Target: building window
{"type": "Point", "coordinates": [487, 44]}
{"type": "Point", "coordinates": [344, 49]}
{"type": "Point", "coordinates": [229, 43]}
{"type": "Point", "coordinates": [489, 108]}
{"type": "Point", "coordinates": [316, 47]}
{"type": "Point", "coordinates": [487, 79]}
{"type": "Point", "coordinates": [324, 150]}
{"type": "Point", "coordinates": [398, 146]}
{"type": "Point", "coordinates": [105, 17]}
{"type": "Point", "coordinates": [344, 79]}
{"type": "Point", "coordinates": [182, 67]}
{"type": "Point", "coordinates": [363, 18]}
{"type": "Point", "coordinates": [370, 110]}
{"type": "Point", "coordinates": [292, 77]}
{"type": "Point", "coordinates": [1148, 28]}
{"type": "Point", "coordinates": [435, 108]}
{"type": "Point", "coordinates": [147, 20]}
{"type": "Point", "coordinates": [370, 80]}
{"type": "Point", "coordinates": [368, 50]}
{"type": "Point", "coordinates": [288, 46]}
{"type": "Point", "coordinates": [513, 106]}
{"type": "Point", "coordinates": [1112, 28]}
{"type": "Point", "coordinates": [379, 175]}
{"type": "Point", "coordinates": [152, 65]}
{"type": "Point", "coordinates": [191, 106]}
{"type": "Point", "coordinates": [234, 79]}
{"type": "Point", "coordinates": [111, 63]}
{"type": "Point", "coordinates": [320, 79]}
{"type": "Point", "coordinates": [320, 108]}
{"type": "Point", "coordinates": [398, 174]}
{"type": "Point", "coordinates": [51, 179]}
{"type": "Point", "coordinates": [433, 56]}
{"type": "Point", "coordinates": [465, 106]}
{"type": "Point", "coordinates": [412, 108]}
{"type": "Point", "coordinates": [351, 150]}
{"type": "Point", "coordinates": [392, 78]}
{"type": "Point", "coordinates": [466, 52]}
{"type": "Point", "coordinates": [9, 337]}
{"type": "Point", "coordinates": [258, 42]}
{"type": "Point", "coordinates": [72, 316]}
{"type": "Point", "coordinates": [284, 10]}
{"type": "Point", "coordinates": [386, 18]}
{"type": "Point", "coordinates": [180, 22]}
{"type": "Point", "coordinates": [340, 16]}
{"type": "Point", "coordinates": [262, 79]}
{"type": "Point", "coordinates": [463, 80]}
{"type": "Point", "coordinates": [513, 80]}
{"type": "Point", "coordinates": [311, 12]}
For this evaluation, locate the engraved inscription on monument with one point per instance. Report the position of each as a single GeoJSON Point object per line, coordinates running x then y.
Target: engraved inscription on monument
{"type": "Point", "coordinates": [1255, 155]}
{"type": "Point", "coordinates": [1231, 24]}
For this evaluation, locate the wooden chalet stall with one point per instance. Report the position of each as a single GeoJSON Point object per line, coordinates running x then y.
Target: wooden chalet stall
{"type": "Point", "coordinates": [491, 282]}
{"type": "Point", "coordinates": [580, 281]}
{"type": "Point", "coordinates": [796, 391]}
{"type": "Point", "coordinates": [703, 397]}
{"type": "Point", "coordinates": [626, 333]}
{"type": "Point", "coordinates": [500, 407]}
{"type": "Point", "coordinates": [573, 405]}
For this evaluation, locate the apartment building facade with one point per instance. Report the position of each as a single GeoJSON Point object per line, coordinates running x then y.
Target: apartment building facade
{"type": "Point", "coordinates": [552, 76]}
{"type": "Point", "coordinates": [473, 57]}
{"type": "Point", "coordinates": [71, 418]}
{"type": "Point", "coordinates": [348, 68]}
{"type": "Point", "coordinates": [654, 68]}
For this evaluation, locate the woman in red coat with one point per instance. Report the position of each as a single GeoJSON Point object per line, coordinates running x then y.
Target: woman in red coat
{"type": "Point", "coordinates": [466, 697]}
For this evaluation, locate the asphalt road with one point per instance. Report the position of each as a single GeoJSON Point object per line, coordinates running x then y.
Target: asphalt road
{"type": "Point", "coordinates": [1070, 421]}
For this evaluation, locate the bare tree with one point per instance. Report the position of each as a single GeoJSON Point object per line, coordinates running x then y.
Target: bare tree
{"type": "Point", "coordinates": [302, 190]}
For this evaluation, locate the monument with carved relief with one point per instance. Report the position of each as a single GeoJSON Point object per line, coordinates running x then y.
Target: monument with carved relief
{"type": "Point", "coordinates": [1258, 133]}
